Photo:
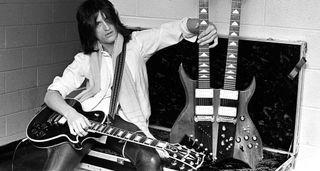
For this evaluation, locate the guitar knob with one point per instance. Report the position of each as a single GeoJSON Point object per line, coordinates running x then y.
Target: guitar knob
{"type": "Point", "coordinates": [223, 135]}
{"type": "Point", "coordinates": [222, 143]}
{"type": "Point", "coordinates": [238, 140]}
{"type": "Point", "coordinates": [242, 118]}
{"type": "Point", "coordinates": [250, 146]}
{"type": "Point", "coordinates": [254, 138]}
{"type": "Point", "coordinates": [246, 137]}
{"type": "Point", "coordinates": [224, 128]}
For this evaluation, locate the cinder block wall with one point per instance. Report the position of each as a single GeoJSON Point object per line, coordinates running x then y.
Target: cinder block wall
{"type": "Point", "coordinates": [38, 38]}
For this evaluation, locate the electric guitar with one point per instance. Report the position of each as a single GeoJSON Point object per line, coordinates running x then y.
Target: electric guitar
{"type": "Point", "coordinates": [49, 128]}
{"type": "Point", "coordinates": [218, 118]}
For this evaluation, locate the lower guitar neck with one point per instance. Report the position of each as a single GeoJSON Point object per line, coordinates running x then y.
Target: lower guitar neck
{"type": "Point", "coordinates": [122, 134]}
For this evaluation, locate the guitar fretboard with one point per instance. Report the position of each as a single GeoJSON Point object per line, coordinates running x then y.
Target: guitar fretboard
{"type": "Point", "coordinates": [232, 52]}
{"type": "Point", "coordinates": [204, 63]}
{"type": "Point", "coordinates": [127, 135]}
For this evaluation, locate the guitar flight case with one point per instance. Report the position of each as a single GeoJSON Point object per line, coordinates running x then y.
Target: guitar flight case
{"type": "Point", "coordinates": [274, 107]}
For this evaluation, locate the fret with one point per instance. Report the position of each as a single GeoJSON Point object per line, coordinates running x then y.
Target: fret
{"type": "Point", "coordinates": [161, 144]}
{"type": "Point", "coordinates": [133, 136]}
{"type": "Point", "coordinates": [124, 134]}
{"type": "Point", "coordinates": [128, 135]}
{"type": "Point", "coordinates": [101, 127]}
{"type": "Point", "coordinates": [120, 133]}
{"type": "Point", "coordinates": [148, 141]}
{"type": "Point", "coordinates": [115, 131]}
{"type": "Point", "coordinates": [95, 126]}
{"type": "Point", "coordinates": [137, 138]}
{"type": "Point", "coordinates": [154, 143]}
{"type": "Point", "coordinates": [109, 130]}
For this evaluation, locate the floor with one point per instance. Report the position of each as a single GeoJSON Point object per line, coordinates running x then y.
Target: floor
{"type": "Point", "coordinates": [21, 157]}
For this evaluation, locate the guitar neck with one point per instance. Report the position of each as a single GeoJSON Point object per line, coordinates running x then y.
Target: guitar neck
{"type": "Point", "coordinates": [204, 63]}
{"type": "Point", "coordinates": [232, 51]}
{"type": "Point", "coordinates": [126, 135]}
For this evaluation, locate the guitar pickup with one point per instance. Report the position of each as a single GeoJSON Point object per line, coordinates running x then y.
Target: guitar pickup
{"type": "Point", "coordinates": [204, 93]}
{"type": "Point", "coordinates": [201, 118]}
{"type": "Point", "coordinates": [229, 94]}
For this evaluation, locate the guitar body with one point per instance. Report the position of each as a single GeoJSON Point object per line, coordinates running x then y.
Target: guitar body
{"type": "Point", "coordinates": [225, 140]}
{"type": "Point", "coordinates": [46, 129]}
{"type": "Point", "coordinates": [184, 124]}
{"type": "Point", "coordinates": [239, 139]}
{"type": "Point", "coordinates": [49, 128]}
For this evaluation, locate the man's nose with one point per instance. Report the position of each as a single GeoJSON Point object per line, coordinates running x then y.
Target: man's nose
{"type": "Point", "coordinates": [105, 25]}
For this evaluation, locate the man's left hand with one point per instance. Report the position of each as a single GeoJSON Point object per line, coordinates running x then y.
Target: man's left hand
{"type": "Point", "coordinates": [208, 36]}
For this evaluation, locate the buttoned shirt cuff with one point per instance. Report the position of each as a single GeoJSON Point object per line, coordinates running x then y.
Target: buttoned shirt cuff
{"type": "Point", "coordinates": [187, 35]}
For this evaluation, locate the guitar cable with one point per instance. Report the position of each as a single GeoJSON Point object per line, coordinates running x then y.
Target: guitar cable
{"type": "Point", "coordinates": [15, 150]}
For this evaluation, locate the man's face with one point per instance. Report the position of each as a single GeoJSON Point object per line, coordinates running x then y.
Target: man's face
{"type": "Point", "coordinates": [105, 31]}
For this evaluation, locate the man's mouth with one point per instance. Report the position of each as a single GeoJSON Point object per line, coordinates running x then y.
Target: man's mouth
{"type": "Point", "coordinates": [109, 34]}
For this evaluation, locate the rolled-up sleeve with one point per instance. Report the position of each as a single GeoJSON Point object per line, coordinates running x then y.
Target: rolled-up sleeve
{"type": "Point", "coordinates": [72, 76]}
{"type": "Point", "coordinates": [167, 34]}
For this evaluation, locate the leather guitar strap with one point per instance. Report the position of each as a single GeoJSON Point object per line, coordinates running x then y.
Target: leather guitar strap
{"type": "Point", "coordinates": [116, 83]}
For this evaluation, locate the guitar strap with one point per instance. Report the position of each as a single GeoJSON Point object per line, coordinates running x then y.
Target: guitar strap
{"type": "Point", "coordinates": [120, 62]}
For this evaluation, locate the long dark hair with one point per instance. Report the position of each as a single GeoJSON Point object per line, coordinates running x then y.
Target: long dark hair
{"type": "Point", "coordinates": [86, 17]}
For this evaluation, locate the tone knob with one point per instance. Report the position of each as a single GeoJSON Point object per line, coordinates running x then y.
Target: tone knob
{"type": "Point", "coordinates": [250, 145]}
{"type": "Point", "coordinates": [222, 143]}
{"type": "Point", "coordinates": [254, 138]}
{"type": "Point", "coordinates": [224, 128]}
{"type": "Point", "coordinates": [246, 137]}
{"type": "Point", "coordinates": [238, 140]}
{"type": "Point", "coordinates": [242, 118]}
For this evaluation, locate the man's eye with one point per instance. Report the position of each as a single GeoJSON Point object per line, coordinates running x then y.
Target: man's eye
{"type": "Point", "coordinates": [99, 24]}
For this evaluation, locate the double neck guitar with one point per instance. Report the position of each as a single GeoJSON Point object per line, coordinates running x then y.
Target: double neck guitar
{"type": "Point", "coordinates": [218, 118]}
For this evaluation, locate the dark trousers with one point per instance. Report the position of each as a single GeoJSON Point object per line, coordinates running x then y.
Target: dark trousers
{"type": "Point", "coordinates": [65, 158]}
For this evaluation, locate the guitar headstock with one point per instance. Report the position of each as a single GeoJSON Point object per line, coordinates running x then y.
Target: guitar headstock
{"type": "Point", "coordinates": [184, 158]}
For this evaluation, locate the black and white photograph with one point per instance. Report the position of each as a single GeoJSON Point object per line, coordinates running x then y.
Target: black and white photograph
{"type": "Point", "coordinates": [159, 85]}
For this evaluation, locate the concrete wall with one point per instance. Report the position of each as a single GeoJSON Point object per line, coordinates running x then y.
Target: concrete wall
{"type": "Point", "coordinates": [38, 38]}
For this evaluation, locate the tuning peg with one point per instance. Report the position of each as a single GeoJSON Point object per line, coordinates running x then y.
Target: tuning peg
{"type": "Point", "coordinates": [182, 167]}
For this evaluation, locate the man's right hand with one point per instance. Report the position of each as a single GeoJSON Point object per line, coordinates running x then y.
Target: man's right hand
{"type": "Point", "coordinates": [78, 124]}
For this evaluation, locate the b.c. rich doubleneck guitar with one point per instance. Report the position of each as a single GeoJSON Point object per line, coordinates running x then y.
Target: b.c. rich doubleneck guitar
{"type": "Point", "coordinates": [218, 118]}
{"type": "Point", "coordinates": [49, 128]}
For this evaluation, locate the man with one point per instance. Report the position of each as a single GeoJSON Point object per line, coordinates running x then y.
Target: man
{"type": "Point", "coordinates": [102, 36]}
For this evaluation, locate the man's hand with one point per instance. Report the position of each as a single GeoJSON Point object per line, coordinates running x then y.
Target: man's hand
{"type": "Point", "coordinates": [208, 36]}
{"type": "Point", "coordinates": [78, 124]}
